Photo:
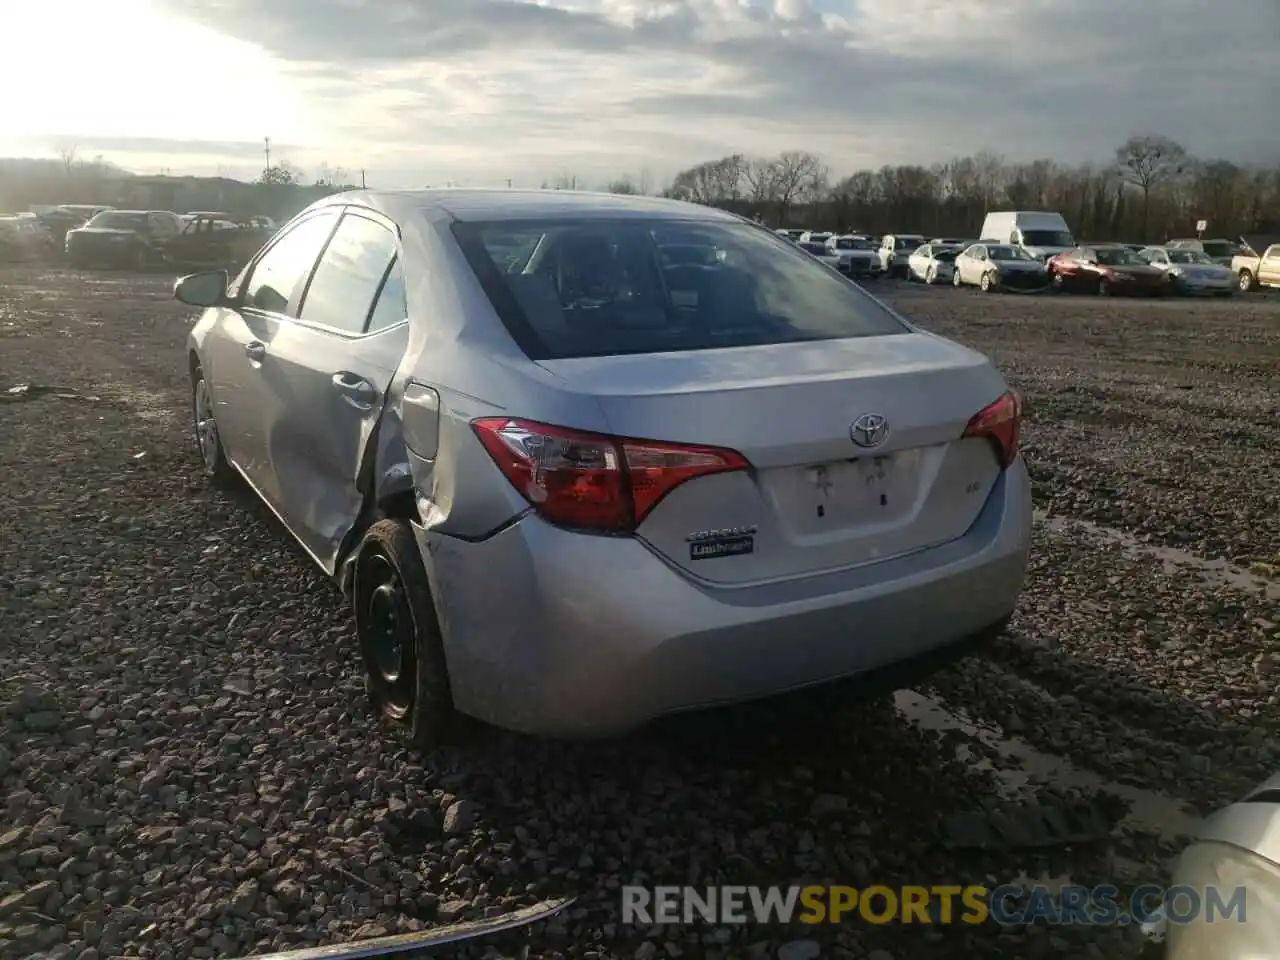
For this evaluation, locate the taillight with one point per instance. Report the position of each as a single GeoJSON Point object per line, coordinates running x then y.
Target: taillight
{"type": "Point", "coordinates": [591, 481]}
{"type": "Point", "coordinates": [999, 422]}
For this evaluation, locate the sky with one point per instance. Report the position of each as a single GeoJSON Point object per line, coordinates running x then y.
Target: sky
{"type": "Point", "coordinates": [425, 92]}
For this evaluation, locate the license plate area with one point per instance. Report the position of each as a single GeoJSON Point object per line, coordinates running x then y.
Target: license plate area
{"type": "Point", "coordinates": [840, 495]}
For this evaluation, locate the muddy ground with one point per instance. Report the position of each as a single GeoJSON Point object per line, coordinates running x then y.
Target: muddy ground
{"type": "Point", "coordinates": [189, 768]}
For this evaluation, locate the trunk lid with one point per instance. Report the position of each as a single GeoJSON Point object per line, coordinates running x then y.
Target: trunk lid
{"type": "Point", "coordinates": [814, 499]}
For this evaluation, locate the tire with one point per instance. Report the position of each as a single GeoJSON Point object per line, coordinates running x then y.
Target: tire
{"type": "Point", "coordinates": [213, 457]}
{"type": "Point", "coordinates": [931, 276]}
{"type": "Point", "coordinates": [1104, 288]}
{"type": "Point", "coordinates": [1057, 281]}
{"type": "Point", "coordinates": [955, 279]}
{"type": "Point", "coordinates": [986, 284]}
{"type": "Point", "coordinates": [1246, 281]}
{"type": "Point", "coordinates": [407, 679]}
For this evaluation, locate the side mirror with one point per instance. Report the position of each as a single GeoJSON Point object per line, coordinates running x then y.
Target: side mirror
{"type": "Point", "coordinates": [207, 289]}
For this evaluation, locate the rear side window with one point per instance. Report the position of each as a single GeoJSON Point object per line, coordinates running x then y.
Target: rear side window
{"type": "Point", "coordinates": [392, 307]}
{"type": "Point", "coordinates": [349, 275]}
{"type": "Point", "coordinates": [610, 287]}
{"type": "Point", "coordinates": [276, 280]}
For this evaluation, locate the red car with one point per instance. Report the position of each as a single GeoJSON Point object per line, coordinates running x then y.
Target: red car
{"type": "Point", "coordinates": [1107, 269]}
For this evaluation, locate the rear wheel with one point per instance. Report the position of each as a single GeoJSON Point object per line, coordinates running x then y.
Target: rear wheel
{"type": "Point", "coordinates": [1104, 288]}
{"type": "Point", "coordinates": [1246, 281]}
{"type": "Point", "coordinates": [208, 443]}
{"type": "Point", "coordinates": [931, 275]}
{"type": "Point", "coordinates": [406, 675]}
{"type": "Point", "coordinates": [955, 279]}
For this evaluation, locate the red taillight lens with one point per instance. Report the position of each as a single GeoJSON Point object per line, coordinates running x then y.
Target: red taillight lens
{"type": "Point", "coordinates": [1000, 423]}
{"type": "Point", "coordinates": [592, 481]}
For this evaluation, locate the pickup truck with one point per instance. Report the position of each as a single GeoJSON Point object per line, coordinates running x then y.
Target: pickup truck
{"type": "Point", "coordinates": [1255, 271]}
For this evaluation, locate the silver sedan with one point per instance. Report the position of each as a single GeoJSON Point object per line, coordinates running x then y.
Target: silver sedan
{"type": "Point", "coordinates": [1191, 271]}
{"type": "Point", "coordinates": [571, 482]}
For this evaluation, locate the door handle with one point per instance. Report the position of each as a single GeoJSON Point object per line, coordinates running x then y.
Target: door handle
{"type": "Point", "coordinates": [357, 391]}
{"type": "Point", "coordinates": [255, 350]}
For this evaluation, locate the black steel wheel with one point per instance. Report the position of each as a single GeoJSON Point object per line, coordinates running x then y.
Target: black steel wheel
{"type": "Point", "coordinates": [406, 675]}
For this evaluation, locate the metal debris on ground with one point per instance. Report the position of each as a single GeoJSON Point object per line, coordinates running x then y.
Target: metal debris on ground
{"type": "Point", "coordinates": [426, 940]}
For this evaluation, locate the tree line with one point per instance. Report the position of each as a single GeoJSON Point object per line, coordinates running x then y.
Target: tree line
{"type": "Point", "coordinates": [1152, 189]}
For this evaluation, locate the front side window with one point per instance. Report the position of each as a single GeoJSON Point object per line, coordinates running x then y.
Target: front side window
{"type": "Point", "coordinates": [275, 281]}
{"type": "Point", "coordinates": [340, 294]}
{"type": "Point", "coordinates": [605, 288]}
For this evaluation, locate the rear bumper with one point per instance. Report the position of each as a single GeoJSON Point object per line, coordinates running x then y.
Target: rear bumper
{"type": "Point", "coordinates": [555, 633]}
{"type": "Point", "coordinates": [102, 254]}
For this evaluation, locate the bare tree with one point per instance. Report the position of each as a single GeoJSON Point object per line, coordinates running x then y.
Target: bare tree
{"type": "Point", "coordinates": [798, 176]}
{"type": "Point", "coordinates": [1147, 161]}
{"type": "Point", "coordinates": [761, 176]}
{"type": "Point", "coordinates": [67, 154]}
{"type": "Point", "coordinates": [952, 198]}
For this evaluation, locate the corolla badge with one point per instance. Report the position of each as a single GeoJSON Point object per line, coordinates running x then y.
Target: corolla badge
{"type": "Point", "coordinates": [870, 430]}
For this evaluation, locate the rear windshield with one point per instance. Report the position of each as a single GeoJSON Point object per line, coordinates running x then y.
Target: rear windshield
{"type": "Point", "coordinates": [591, 288]}
{"type": "Point", "coordinates": [1219, 248]}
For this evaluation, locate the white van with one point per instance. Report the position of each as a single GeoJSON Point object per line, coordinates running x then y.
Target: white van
{"type": "Point", "coordinates": [1039, 233]}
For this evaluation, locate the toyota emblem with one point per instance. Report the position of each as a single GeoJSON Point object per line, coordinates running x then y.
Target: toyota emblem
{"type": "Point", "coordinates": [870, 430]}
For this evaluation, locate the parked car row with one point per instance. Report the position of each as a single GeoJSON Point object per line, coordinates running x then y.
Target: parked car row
{"type": "Point", "coordinates": [93, 236]}
{"type": "Point", "coordinates": [1179, 267]}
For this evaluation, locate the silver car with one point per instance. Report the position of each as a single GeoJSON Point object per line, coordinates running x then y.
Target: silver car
{"type": "Point", "coordinates": [1191, 271]}
{"type": "Point", "coordinates": [570, 484]}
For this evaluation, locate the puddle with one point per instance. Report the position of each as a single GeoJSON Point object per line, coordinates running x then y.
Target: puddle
{"type": "Point", "coordinates": [1214, 573]}
{"type": "Point", "coordinates": [1149, 811]}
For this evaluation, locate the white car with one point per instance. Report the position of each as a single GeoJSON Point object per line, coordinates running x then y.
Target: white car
{"type": "Point", "coordinates": [1191, 271]}
{"type": "Point", "coordinates": [895, 250]}
{"type": "Point", "coordinates": [932, 263]}
{"type": "Point", "coordinates": [814, 236]}
{"type": "Point", "coordinates": [789, 233]}
{"type": "Point", "coordinates": [855, 255]}
{"type": "Point", "coordinates": [996, 266]}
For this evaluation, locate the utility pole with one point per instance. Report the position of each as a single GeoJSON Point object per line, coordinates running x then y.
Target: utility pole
{"type": "Point", "coordinates": [266, 143]}
{"type": "Point", "coordinates": [508, 182]}
{"type": "Point", "coordinates": [362, 183]}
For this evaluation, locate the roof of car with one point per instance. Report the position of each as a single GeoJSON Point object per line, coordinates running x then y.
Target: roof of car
{"type": "Point", "coordinates": [500, 204]}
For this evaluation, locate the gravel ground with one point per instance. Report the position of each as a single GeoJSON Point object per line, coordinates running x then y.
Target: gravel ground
{"type": "Point", "coordinates": [189, 768]}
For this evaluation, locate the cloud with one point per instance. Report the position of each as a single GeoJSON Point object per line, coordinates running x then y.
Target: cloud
{"type": "Point", "coordinates": [428, 90]}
